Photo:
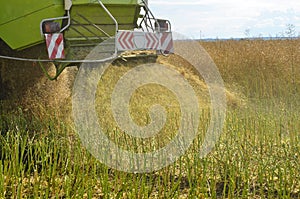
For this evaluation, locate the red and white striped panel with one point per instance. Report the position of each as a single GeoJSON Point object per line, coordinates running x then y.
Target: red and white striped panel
{"type": "Point", "coordinates": [130, 40]}
{"type": "Point", "coordinates": [55, 45]}
{"type": "Point", "coordinates": [152, 41]}
{"type": "Point", "coordinates": [125, 40]}
{"type": "Point", "coordinates": [166, 41]}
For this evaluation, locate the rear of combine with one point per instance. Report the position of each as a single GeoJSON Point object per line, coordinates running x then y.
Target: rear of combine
{"type": "Point", "coordinates": [63, 32]}
{"type": "Point", "coordinates": [81, 24]}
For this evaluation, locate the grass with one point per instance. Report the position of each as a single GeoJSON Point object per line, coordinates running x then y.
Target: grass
{"type": "Point", "coordinates": [257, 155]}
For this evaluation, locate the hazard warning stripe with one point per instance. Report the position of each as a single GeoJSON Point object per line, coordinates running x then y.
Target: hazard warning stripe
{"type": "Point", "coordinates": [126, 40]}
{"type": "Point", "coordinates": [55, 46]}
{"type": "Point", "coordinates": [167, 42]}
{"type": "Point", "coordinates": [130, 40]}
{"type": "Point", "coordinates": [152, 41]}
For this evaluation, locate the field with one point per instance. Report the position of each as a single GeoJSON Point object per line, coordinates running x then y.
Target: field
{"type": "Point", "coordinates": [257, 155]}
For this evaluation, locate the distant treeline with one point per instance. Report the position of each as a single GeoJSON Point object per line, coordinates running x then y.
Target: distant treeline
{"type": "Point", "coordinates": [250, 38]}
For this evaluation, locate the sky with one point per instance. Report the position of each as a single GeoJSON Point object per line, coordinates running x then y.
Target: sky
{"type": "Point", "coordinates": [229, 18]}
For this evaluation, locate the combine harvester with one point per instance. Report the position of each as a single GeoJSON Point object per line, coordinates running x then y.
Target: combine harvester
{"type": "Point", "coordinates": [70, 29]}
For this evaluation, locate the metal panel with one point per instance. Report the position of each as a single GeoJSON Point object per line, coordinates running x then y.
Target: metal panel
{"type": "Point", "coordinates": [107, 2]}
{"type": "Point", "coordinates": [25, 31]}
{"type": "Point", "coordinates": [84, 16]}
{"type": "Point", "coordinates": [14, 9]}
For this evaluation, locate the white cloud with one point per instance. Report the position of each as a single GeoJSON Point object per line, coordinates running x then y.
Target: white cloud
{"type": "Point", "coordinates": [228, 18]}
{"type": "Point", "coordinates": [269, 4]}
{"type": "Point", "coordinates": [182, 2]}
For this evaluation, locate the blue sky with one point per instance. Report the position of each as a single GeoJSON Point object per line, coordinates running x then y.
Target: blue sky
{"type": "Point", "coordinates": [228, 18]}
